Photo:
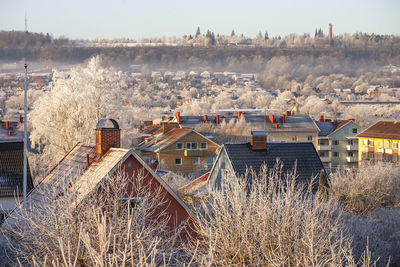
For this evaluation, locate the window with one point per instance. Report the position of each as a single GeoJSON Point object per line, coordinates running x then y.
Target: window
{"type": "Point", "coordinates": [179, 146]}
{"type": "Point", "coordinates": [178, 161]}
{"type": "Point", "coordinates": [294, 138]}
{"type": "Point", "coordinates": [134, 206]}
{"type": "Point", "coordinates": [387, 158]}
{"type": "Point", "coordinates": [363, 156]}
{"type": "Point", "coordinates": [350, 142]}
{"type": "Point", "coordinates": [336, 142]}
{"type": "Point", "coordinates": [395, 158]}
{"type": "Point", "coordinates": [386, 144]}
{"type": "Point", "coordinates": [371, 142]}
{"type": "Point", "coordinates": [196, 161]}
{"type": "Point", "coordinates": [190, 146]}
{"type": "Point", "coordinates": [309, 138]}
{"type": "Point", "coordinates": [365, 142]}
{"type": "Point", "coordinates": [371, 156]}
{"type": "Point", "coordinates": [209, 160]}
{"type": "Point", "coordinates": [350, 154]}
{"type": "Point", "coordinates": [336, 154]}
{"type": "Point", "coordinates": [354, 130]}
{"type": "Point", "coordinates": [203, 145]}
{"type": "Point", "coordinates": [395, 145]}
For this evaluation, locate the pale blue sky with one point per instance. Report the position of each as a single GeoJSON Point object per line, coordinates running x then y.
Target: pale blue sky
{"type": "Point", "coordinates": [146, 18]}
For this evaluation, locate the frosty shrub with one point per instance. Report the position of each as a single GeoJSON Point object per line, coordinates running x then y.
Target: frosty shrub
{"type": "Point", "coordinates": [271, 221]}
{"type": "Point", "coordinates": [98, 232]}
{"type": "Point", "coordinates": [362, 190]}
{"type": "Point", "coordinates": [380, 229]}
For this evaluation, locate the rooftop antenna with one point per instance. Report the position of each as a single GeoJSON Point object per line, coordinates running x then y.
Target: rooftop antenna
{"type": "Point", "coordinates": [25, 125]}
{"type": "Point", "coordinates": [26, 23]}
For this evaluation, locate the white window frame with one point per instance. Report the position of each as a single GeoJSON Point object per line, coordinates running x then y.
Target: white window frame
{"type": "Point", "coordinates": [178, 164]}
{"type": "Point", "coordinates": [202, 148]}
{"type": "Point", "coordinates": [198, 161]}
{"type": "Point", "coordinates": [309, 138]}
{"type": "Point", "coordinates": [141, 208]}
{"type": "Point", "coordinates": [355, 130]}
{"type": "Point", "coordinates": [395, 145]}
{"type": "Point", "coordinates": [180, 143]}
{"type": "Point", "coordinates": [365, 142]}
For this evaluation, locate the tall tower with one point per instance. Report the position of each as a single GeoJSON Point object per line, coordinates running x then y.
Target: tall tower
{"type": "Point", "coordinates": [330, 33]}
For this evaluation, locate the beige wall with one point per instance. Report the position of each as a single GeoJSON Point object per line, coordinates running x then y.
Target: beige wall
{"type": "Point", "coordinates": [289, 136]}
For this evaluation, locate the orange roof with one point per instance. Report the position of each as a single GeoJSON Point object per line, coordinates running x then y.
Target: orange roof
{"type": "Point", "coordinates": [198, 187]}
{"type": "Point", "coordinates": [342, 123]}
{"type": "Point", "coordinates": [383, 129]}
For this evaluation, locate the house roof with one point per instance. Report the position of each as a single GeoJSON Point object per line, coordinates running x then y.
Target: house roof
{"type": "Point", "coordinates": [13, 126]}
{"type": "Point", "coordinates": [294, 123]}
{"type": "Point", "coordinates": [71, 173]}
{"type": "Point", "coordinates": [383, 129]}
{"type": "Point", "coordinates": [242, 157]}
{"type": "Point", "coordinates": [197, 188]}
{"type": "Point", "coordinates": [325, 127]}
{"type": "Point", "coordinates": [11, 169]}
{"type": "Point", "coordinates": [161, 141]}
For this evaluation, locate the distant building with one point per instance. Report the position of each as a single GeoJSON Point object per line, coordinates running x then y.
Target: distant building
{"type": "Point", "coordinates": [380, 142]}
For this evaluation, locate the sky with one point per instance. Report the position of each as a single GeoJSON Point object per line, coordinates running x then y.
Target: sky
{"type": "Point", "coordinates": [90, 19]}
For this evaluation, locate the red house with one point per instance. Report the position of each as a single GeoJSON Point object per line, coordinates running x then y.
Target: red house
{"type": "Point", "coordinates": [86, 170]}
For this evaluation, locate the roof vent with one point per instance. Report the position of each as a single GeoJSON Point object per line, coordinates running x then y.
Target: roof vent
{"type": "Point", "coordinates": [258, 140]}
{"type": "Point", "coordinates": [107, 137]}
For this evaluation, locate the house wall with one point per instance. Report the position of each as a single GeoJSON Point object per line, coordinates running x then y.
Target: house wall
{"type": "Point", "coordinates": [342, 135]}
{"type": "Point", "coordinates": [168, 155]}
{"type": "Point", "coordinates": [7, 203]}
{"type": "Point", "coordinates": [221, 166]}
{"type": "Point", "coordinates": [287, 137]}
{"type": "Point", "coordinates": [378, 151]}
{"type": "Point", "coordinates": [176, 213]}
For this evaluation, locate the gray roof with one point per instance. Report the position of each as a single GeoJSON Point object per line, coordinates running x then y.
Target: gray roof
{"type": "Point", "coordinates": [11, 169]}
{"type": "Point", "coordinates": [243, 157]}
{"type": "Point", "coordinates": [295, 123]}
{"type": "Point", "coordinates": [325, 127]}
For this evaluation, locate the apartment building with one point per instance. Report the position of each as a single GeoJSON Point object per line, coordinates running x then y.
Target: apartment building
{"type": "Point", "coordinates": [338, 143]}
{"type": "Point", "coordinates": [379, 142]}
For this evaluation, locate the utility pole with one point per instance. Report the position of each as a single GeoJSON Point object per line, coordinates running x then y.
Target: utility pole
{"type": "Point", "coordinates": [25, 135]}
{"type": "Point", "coordinates": [25, 179]}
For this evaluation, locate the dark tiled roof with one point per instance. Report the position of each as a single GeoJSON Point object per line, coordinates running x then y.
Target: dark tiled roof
{"type": "Point", "coordinates": [308, 161]}
{"type": "Point", "coordinates": [325, 127]}
{"type": "Point", "coordinates": [11, 169]}
{"type": "Point", "coordinates": [383, 129]}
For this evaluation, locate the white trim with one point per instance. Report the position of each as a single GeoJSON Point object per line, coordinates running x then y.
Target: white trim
{"type": "Point", "coordinates": [178, 164]}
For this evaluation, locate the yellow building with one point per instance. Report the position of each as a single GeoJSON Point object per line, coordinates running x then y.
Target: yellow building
{"type": "Point", "coordinates": [380, 142]}
{"type": "Point", "coordinates": [180, 150]}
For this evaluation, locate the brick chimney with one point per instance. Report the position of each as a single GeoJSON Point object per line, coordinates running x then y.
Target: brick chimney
{"type": "Point", "coordinates": [258, 140]}
{"type": "Point", "coordinates": [168, 126]}
{"type": "Point", "coordinates": [178, 117]}
{"type": "Point", "coordinates": [106, 137]}
{"type": "Point", "coordinates": [204, 118]}
{"type": "Point", "coordinates": [271, 118]}
{"type": "Point", "coordinates": [216, 119]}
{"type": "Point", "coordinates": [7, 125]}
{"type": "Point", "coordinates": [288, 113]}
{"type": "Point", "coordinates": [239, 113]}
{"type": "Point", "coordinates": [321, 118]}
{"type": "Point", "coordinates": [21, 119]}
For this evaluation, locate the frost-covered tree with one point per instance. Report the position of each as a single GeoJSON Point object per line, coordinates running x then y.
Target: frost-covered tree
{"type": "Point", "coordinates": [69, 112]}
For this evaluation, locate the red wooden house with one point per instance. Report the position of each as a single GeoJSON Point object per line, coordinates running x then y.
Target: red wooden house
{"type": "Point", "coordinates": [86, 169]}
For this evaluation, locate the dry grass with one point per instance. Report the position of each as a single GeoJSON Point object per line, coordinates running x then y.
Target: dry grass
{"type": "Point", "coordinates": [271, 223]}
{"type": "Point", "coordinates": [361, 190]}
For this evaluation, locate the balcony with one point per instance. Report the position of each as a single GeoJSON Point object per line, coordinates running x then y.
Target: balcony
{"type": "Point", "coordinates": [193, 153]}
{"type": "Point", "coordinates": [351, 147]}
{"type": "Point", "coordinates": [380, 150]}
{"type": "Point", "coordinates": [388, 151]}
{"type": "Point", "coordinates": [324, 147]}
{"type": "Point", "coordinates": [351, 159]}
{"type": "Point", "coordinates": [325, 159]}
{"type": "Point", "coordinates": [367, 149]}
